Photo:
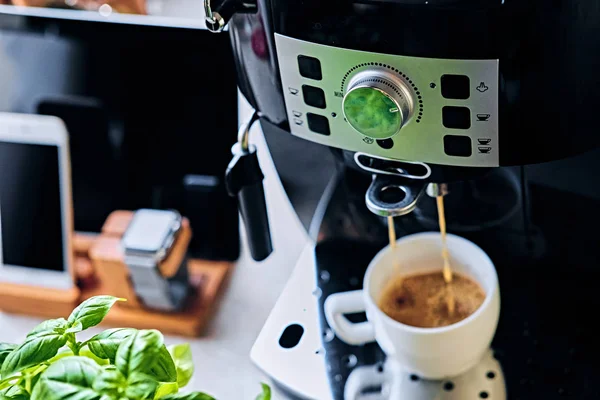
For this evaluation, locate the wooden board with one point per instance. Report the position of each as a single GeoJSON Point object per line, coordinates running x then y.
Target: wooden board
{"type": "Point", "coordinates": [100, 270]}
{"type": "Point", "coordinates": [208, 278]}
{"type": "Point", "coordinates": [41, 302]}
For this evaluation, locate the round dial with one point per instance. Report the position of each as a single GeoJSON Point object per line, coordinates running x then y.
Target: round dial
{"type": "Point", "coordinates": [377, 104]}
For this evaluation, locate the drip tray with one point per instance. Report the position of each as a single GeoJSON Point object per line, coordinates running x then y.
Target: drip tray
{"type": "Point", "coordinates": [546, 340]}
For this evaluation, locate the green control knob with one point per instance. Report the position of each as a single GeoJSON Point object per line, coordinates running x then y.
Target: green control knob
{"type": "Point", "coordinates": [377, 104]}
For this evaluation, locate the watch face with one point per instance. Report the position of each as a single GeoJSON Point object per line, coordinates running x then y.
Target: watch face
{"type": "Point", "coordinates": [149, 230]}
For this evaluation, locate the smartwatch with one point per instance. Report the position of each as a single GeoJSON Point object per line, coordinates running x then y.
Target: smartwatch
{"type": "Point", "coordinates": [146, 243]}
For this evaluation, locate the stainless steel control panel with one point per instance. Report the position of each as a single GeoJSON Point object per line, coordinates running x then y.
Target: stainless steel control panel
{"type": "Point", "coordinates": [453, 113]}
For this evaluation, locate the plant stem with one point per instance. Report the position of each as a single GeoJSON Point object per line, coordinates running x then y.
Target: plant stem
{"type": "Point", "coordinates": [72, 343]}
{"type": "Point", "coordinates": [7, 382]}
{"type": "Point", "coordinates": [74, 348]}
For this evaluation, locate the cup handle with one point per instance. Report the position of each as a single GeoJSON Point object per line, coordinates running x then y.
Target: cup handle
{"type": "Point", "coordinates": [362, 378]}
{"type": "Point", "coordinates": [338, 304]}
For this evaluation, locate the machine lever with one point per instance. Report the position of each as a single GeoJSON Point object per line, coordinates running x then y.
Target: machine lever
{"type": "Point", "coordinates": [244, 180]}
{"type": "Point", "coordinates": [218, 15]}
{"type": "Point", "coordinates": [392, 196]}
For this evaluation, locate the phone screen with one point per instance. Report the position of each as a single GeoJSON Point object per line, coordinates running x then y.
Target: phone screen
{"type": "Point", "coordinates": [97, 177]}
{"type": "Point", "coordinates": [30, 206]}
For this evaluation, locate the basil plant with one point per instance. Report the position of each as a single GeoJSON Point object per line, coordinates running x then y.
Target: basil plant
{"type": "Point", "coordinates": [117, 364]}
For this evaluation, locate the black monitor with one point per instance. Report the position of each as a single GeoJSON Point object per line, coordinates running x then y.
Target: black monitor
{"type": "Point", "coordinates": [151, 117]}
{"type": "Point", "coordinates": [171, 13]}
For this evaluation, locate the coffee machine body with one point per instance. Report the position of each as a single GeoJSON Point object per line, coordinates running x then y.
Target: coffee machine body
{"type": "Point", "coordinates": [464, 92]}
{"type": "Point", "coordinates": [462, 83]}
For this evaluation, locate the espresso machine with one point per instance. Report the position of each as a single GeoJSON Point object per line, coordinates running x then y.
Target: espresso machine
{"type": "Point", "coordinates": [370, 109]}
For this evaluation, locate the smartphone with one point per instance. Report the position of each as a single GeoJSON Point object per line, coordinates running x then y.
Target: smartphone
{"type": "Point", "coordinates": [97, 174]}
{"type": "Point", "coordinates": [36, 222]}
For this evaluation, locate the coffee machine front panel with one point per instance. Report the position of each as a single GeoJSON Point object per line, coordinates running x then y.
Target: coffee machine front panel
{"type": "Point", "coordinates": [437, 111]}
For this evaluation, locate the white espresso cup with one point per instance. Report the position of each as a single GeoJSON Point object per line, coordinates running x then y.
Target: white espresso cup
{"type": "Point", "coordinates": [431, 353]}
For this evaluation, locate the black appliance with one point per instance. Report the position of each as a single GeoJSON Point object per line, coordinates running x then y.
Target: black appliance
{"type": "Point", "coordinates": [464, 92]}
{"type": "Point", "coordinates": [147, 129]}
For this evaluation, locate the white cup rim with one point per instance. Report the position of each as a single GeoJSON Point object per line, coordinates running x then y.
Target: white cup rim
{"type": "Point", "coordinates": [430, 331]}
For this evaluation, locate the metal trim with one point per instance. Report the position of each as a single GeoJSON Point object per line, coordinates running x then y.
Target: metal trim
{"type": "Point", "coordinates": [422, 136]}
{"type": "Point", "coordinates": [357, 155]}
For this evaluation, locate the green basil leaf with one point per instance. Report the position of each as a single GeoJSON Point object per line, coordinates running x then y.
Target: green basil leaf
{"type": "Point", "coordinates": [111, 382]}
{"type": "Point", "coordinates": [75, 328]}
{"type": "Point", "coordinates": [164, 368]}
{"type": "Point", "coordinates": [165, 389]}
{"type": "Point", "coordinates": [20, 397]}
{"type": "Point", "coordinates": [266, 392]}
{"type": "Point", "coordinates": [92, 311]}
{"type": "Point", "coordinates": [188, 396]}
{"type": "Point", "coordinates": [62, 353]}
{"type": "Point", "coordinates": [70, 378]}
{"type": "Point", "coordinates": [87, 353]}
{"type": "Point", "coordinates": [14, 393]}
{"type": "Point", "coordinates": [105, 344]}
{"type": "Point", "coordinates": [59, 325]}
{"type": "Point", "coordinates": [36, 349]}
{"type": "Point", "coordinates": [138, 352]}
{"type": "Point", "coordinates": [184, 365]}
{"type": "Point", "coordinates": [5, 349]}
{"type": "Point", "coordinates": [140, 386]}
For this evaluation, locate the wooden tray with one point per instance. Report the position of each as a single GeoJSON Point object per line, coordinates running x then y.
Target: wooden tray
{"type": "Point", "coordinates": [99, 269]}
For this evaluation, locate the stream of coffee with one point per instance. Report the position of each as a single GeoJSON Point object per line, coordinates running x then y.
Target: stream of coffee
{"type": "Point", "coordinates": [392, 236]}
{"type": "Point", "coordinates": [447, 270]}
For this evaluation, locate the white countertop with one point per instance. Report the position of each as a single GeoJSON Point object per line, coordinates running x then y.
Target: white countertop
{"type": "Point", "coordinates": [223, 367]}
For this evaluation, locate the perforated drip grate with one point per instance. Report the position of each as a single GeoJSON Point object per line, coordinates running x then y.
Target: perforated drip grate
{"type": "Point", "coordinates": [394, 384]}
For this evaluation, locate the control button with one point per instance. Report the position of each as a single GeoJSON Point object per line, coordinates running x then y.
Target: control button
{"type": "Point", "coordinates": [377, 104]}
{"type": "Point", "coordinates": [297, 114]}
{"type": "Point", "coordinates": [456, 117]}
{"type": "Point", "coordinates": [457, 146]}
{"type": "Point", "coordinates": [456, 87]}
{"type": "Point", "coordinates": [313, 96]}
{"type": "Point", "coordinates": [318, 123]}
{"type": "Point", "coordinates": [385, 143]}
{"type": "Point", "coordinates": [298, 121]}
{"type": "Point", "coordinates": [310, 67]}
{"type": "Point", "coordinates": [372, 112]}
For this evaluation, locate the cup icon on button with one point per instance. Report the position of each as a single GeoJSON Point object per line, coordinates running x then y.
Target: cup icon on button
{"type": "Point", "coordinates": [483, 117]}
{"type": "Point", "coordinates": [482, 87]}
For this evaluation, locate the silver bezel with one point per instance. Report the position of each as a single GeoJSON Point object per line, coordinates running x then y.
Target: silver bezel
{"type": "Point", "coordinates": [371, 79]}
